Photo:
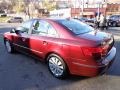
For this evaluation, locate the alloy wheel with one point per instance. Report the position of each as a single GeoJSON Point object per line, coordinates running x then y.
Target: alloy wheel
{"type": "Point", "coordinates": [56, 66]}
{"type": "Point", "coordinates": [8, 46]}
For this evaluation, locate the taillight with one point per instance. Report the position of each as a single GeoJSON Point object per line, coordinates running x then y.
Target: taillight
{"type": "Point", "coordinates": [96, 52]}
{"type": "Point", "coordinates": [89, 51]}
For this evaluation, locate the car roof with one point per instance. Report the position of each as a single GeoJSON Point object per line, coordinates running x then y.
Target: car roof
{"type": "Point", "coordinates": [51, 19]}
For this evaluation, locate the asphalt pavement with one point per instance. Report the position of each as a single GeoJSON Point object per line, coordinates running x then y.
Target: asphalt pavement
{"type": "Point", "coordinates": [21, 72]}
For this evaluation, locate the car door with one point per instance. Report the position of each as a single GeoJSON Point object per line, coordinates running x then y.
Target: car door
{"type": "Point", "coordinates": [40, 41]}
{"type": "Point", "coordinates": [21, 40]}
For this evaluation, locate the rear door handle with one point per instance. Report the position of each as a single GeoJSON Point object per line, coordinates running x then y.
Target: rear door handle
{"type": "Point", "coordinates": [45, 43]}
{"type": "Point", "coordinates": [23, 39]}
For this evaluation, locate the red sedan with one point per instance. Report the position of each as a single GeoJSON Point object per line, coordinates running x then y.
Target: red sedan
{"type": "Point", "coordinates": [67, 45]}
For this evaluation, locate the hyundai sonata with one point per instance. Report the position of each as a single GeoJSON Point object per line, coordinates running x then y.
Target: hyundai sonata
{"type": "Point", "coordinates": [67, 45]}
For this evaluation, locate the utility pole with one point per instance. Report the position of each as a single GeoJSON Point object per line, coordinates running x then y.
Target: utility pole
{"type": "Point", "coordinates": [98, 9]}
{"type": "Point", "coordinates": [82, 8]}
{"type": "Point", "coordinates": [105, 3]}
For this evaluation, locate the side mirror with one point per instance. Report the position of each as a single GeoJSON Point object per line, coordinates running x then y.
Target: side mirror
{"type": "Point", "coordinates": [12, 30]}
{"type": "Point", "coordinates": [15, 31]}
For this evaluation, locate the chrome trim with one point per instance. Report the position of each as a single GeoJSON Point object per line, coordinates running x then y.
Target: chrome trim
{"type": "Point", "coordinates": [89, 66]}
{"type": "Point", "coordinates": [27, 48]}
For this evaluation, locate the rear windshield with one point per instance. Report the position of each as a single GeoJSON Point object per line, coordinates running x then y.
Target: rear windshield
{"type": "Point", "coordinates": [75, 26]}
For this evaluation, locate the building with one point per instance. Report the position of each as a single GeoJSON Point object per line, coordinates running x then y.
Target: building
{"type": "Point", "coordinates": [86, 8]}
{"type": "Point", "coordinates": [91, 8]}
{"type": "Point", "coordinates": [113, 7]}
{"type": "Point", "coordinates": [61, 13]}
{"type": "Point", "coordinates": [78, 8]}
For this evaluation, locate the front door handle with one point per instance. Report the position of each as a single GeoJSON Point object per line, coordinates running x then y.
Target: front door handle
{"type": "Point", "coordinates": [23, 39]}
{"type": "Point", "coordinates": [45, 43]}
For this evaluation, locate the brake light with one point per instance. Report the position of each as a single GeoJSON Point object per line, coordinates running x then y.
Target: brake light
{"type": "Point", "coordinates": [89, 51]}
{"type": "Point", "coordinates": [96, 52]}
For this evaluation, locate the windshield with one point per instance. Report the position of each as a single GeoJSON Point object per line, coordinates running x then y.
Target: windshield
{"type": "Point", "coordinates": [75, 26]}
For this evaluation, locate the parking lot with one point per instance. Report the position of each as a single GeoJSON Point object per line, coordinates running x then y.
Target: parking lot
{"type": "Point", "coordinates": [20, 72]}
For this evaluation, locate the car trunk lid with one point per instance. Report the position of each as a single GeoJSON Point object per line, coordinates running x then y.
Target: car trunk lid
{"type": "Point", "coordinates": [106, 42]}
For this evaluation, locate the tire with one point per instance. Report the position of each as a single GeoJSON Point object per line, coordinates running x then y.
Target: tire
{"type": "Point", "coordinates": [57, 66]}
{"type": "Point", "coordinates": [114, 24]}
{"type": "Point", "coordinates": [9, 46]}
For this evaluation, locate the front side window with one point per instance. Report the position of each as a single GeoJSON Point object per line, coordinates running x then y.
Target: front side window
{"type": "Point", "coordinates": [22, 30]}
{"type": "Point", "coordinates": [75, 26]}
{"type": "Point", "coordinates": [25, 27]}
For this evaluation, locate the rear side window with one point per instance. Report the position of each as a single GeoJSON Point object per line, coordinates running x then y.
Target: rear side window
{"type": "Point", "coordinates": [51, 31]}
{"type": "Point", "coordinates": [40, 28]}
{"type": "Point", "coordinates": [43, 28]}
{"type": "Point", "coordinates": [75, 26]}
{"type": "Point", "coordinates": [27, 24]}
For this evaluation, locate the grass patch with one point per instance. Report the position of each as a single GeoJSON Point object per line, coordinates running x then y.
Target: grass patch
{"type": "Point", "coordinates": [4, 19]}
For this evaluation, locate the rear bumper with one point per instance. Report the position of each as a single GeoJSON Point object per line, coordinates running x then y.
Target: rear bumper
{"type": "Point", "coordinates": [93, 70]}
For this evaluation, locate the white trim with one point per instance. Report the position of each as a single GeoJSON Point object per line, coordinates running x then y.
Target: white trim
{"type": "Point", "coordinates": [90, 66]}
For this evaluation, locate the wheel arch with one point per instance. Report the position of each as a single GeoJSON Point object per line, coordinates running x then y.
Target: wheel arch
{"type": "Point", "coordinates": [53, 52]}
